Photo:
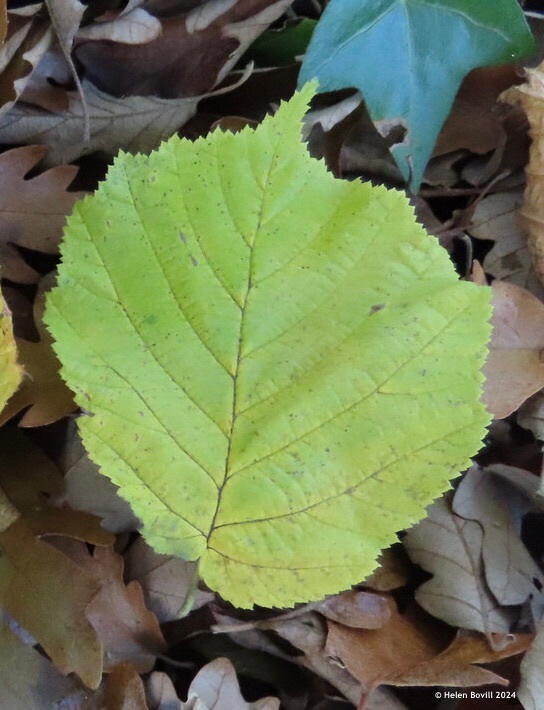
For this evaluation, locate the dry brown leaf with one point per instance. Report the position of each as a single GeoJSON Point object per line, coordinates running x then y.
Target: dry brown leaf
{"type": "Point", "coordinates": [124, 689]}
{"type": "Point", "coordinates": [39, 586]}
{"type": "Point", "coordinates": [132, 123]}
{"type": "Point", "coordinates": [128, 631]}
{"type": "Point", "coordinates": [135, 26]}
{"type": "Point", "coordinates": [515, 366]}
{"type": "Point", "coordinates": [392, 572]}
{"type": "Point", "coordinates": [450, 548]}
{"type": "Point", "coordinates": [87, 490]}
{"type": "Point", "coordinates": [511, 574]}
{"type": "Point", "coordinates": [160, 692]}
{"type": "Point", "coordinates": [531, 688]}
{"type": "Point", "coordinates": [409, 651]}
{"type": "Point", "coordinates": [530, 96]}
{"type": "Point", "coordinates": [3, 21]}
{"type": "Point", "coordinates": [164, 580]}
{"type": "Point", "coordinates": [495, 219]}
{"type": "Point", "coordinates": [33, 210]}
{"type": "Point", "coordinates": [359, 610]}
{"type": "Point", "coordinates": [29, 39]}
{"type": "Point", "coordinates": [28, 681]}
{"type": "Point", "coordinates": [194, 52]}
{"type": "Point", "coordinates": [42, 390]}
{"type": "Point", "coordinates": [215, 687]}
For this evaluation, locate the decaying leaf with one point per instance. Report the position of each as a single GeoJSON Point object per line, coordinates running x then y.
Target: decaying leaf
{"type": "Point", "coordinates": [515, 366]}
{"type": "Point", "coordinates": [129, 632]}
{"type": "Point", "coordinates": [160, 693]}
{"type": "Point", "coordinates": [39, 586]}
{"type": "Point", "coordinates": [165, 580]}
{"type": "Point", "coordinates": [511, 574]}
{"type": "Point", "coordinates": [215, 687]}
{"type": "Point", "coordinates": [304, 406]}
{"type": "Point", "coordinates": [42, 390]}
{"type": "Point", "coordinates": [32, 210]}
{"type": "Point", "coordinates": [530, 96]}
{"type": "Point", "coordinates": [495, 219]}
{"type": "Point", "coordinates": [85, 489]}
{"type": "Point", "coordinates": [131, 26]}
{"type": "Point", "coordinates": [10, 371]}
{"type": "Point", "coordinates": [409, 650]}
{"type": "Point", "coordinates": [28, 681]}
{"type": "Point", "coordinates": [531, 688]}
{"type": "Point", "coordinates": [450, 548]}
{"type": "Point", "coordinates": [359, 610]}
{"type": "Point", "coordinates": [124, 689]}
{"type": "Point", "coordinates": [132, 123]}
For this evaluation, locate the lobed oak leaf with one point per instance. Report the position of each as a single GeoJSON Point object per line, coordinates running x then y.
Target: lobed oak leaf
{"type": "Point", "coordinates": [32, 210]}
{"type": "Point", "coordinates": [215, 687]}
{"type": "Point", "coordinates": [450, 548]}
{"type": "Point", "coordinates": [128, 631]}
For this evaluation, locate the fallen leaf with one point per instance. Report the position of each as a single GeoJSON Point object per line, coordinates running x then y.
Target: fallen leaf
{"type": "Point", "coordinates": [32, 210]}
{"type": "Point", "coordinates": [409, 651]}
{"type": "Point", "coordinates": [359, 610]}
{"type": "Point", "coordinates": [392, 572]}
{"type": "Point", "coordinates": [129, 632]}
{"type": "Point", "coordinates": [164, 580]}
{"type": "Point", "coordinates": [495, 219]}
{"type": "Point", "coordinates": [531, 415]}
{"type": "Point", "coordinates": [160, 693]}
{"type": "Point", "coordinates": [200, 47]}
{"type": "Point", "coordinates": [28, 680]}
{"type": "Point", "coordinates": [451, 549]}
{"type": "Point", "coordinates": [510, 572]}
{"type": "Point", "coordinates": [132, 123]}
{"type": "Point", "coordinates": [216, 687]}
{"type": "Point", "coordinates": [133, 27]}
{"type": "Point", "coordinates": [124, 689]}
{"type": "Point", "coordinates": [39, 586]}
{"type": "Point", "coordinates": [3, 21]}
{"type": "Point", "coordinates": [515, 366]}
{"type": "Point", "coordinates": [530, 97]}
{"type": "Point", "coordinates": [85, 489]}
{"type": "Point", "coordinates": [43, 390]}
{"type": "Point", "coordinates": [531, 688]}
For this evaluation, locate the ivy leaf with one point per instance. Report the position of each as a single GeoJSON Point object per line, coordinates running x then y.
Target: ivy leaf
{"type": "Point", "coordinates": [282, 368]}
{"type": "Point", "coordinates": [408, 58]}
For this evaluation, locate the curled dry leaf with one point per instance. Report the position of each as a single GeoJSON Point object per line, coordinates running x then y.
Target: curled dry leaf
{"type": "Point", "coordinates": [29, 681]}
{"type": "Point", "coordinates": [451, 549]}
{"type": "Point", "coordinates": [133, 27]}
{"type": "Point", "coordinates": [164, 580]}
{"type": "Point", "coordinates": [216, 687]}
{"type": "Point", "coordinates": [85, 489]}
{"type": "Point", "coordinates": [133, 123]}
{"type": "Point", "coordinates": [43, 391]}
{"type": "Point", "coordinates": [200, 47]}
{"type": "Point", "coordinates": [495, 219]}
{"type": "Point", "coordinates": [511, 574]}
{"type": "Point", "coordinates": [124, 689]}
{"type": "Point", "coordinates": [128, 631]}
{"type": "Point", "coordinates": [39, 586]}
{"type": "Point", "coordinates": [32, 210]}
{"type": "Point", "coordinates": [530, 96]}
{"type": "Point", "coordinates": [531, 689]}
{"type": "Point", "coordinates": [515, 366]}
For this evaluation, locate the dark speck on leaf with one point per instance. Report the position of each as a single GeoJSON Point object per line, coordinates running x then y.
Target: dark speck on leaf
{"type": "Point", "coordinates": [195, 261]}
{"type": "Point", "coordinates": [376, 308]}
{"type": "Point", "coordinates": [183, 237]}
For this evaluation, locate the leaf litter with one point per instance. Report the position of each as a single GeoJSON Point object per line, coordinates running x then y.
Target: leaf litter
{"type": "Point", "coordinates": [99, 625]}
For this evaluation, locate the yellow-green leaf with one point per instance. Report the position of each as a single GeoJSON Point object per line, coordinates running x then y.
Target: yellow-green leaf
{"type": "Point", "coordinates": [282, 368]}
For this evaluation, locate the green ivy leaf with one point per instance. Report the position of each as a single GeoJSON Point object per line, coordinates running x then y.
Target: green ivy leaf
{"type": "Point", "coordinates": [408, 58]}
{"type": "Point", "coordinates": [282, 368]}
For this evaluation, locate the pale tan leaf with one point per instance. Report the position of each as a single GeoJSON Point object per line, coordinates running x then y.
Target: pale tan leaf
{"type": "Point", "coordinates": [515, 366]}
{"type": "Point", "coordinates": [530, 692]}
{"type": "Point", "coordinates": [134, 27]}
{"type": "Point", "coordinates": [124, 689]}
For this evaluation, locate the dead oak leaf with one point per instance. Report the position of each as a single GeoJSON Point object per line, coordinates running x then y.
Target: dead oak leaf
{"type": "Point", "coordinates": [40, 587]}
{"type": "Point", "coordinates": [124, 689]}
{"type": "Point", "coordinates": [132, 123]}
{"type": "Point", "coordinates": [32, 210]}
{"type": "Point", "coordinates": [450, 548]}
{"type": "Point", "coordinates": [129, 632]}
{"type": "Point", "coordinates": [216, 687]}
{"type": "Point", "coordinates": [515, 366]}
